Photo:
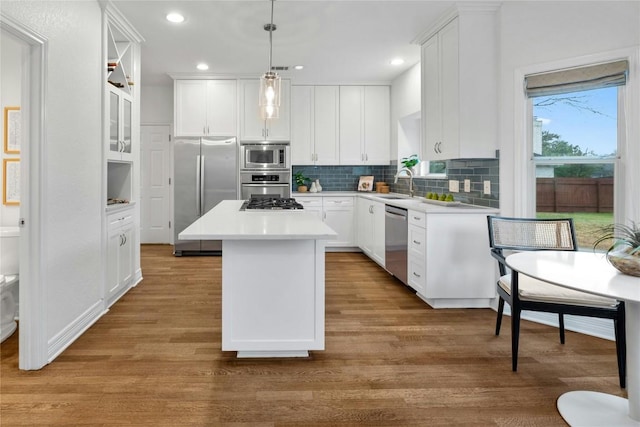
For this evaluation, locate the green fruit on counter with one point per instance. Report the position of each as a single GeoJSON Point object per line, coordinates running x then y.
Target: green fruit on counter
{"type": "Point", "coordinates": [427, 196]}
{"type": "Point", "coordinates": [449, 198]}
{"type": "Point", "coordinates": [442, 197]}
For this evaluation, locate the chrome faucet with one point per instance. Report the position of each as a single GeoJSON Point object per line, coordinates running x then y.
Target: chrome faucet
{"type": "Point", "coordinates": [408, 171]}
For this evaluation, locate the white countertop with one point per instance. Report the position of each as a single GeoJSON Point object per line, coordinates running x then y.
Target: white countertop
{"type": "Point", "coordinates": [404, 201]}
{"type": "Point", "coordinates": [226, 222]}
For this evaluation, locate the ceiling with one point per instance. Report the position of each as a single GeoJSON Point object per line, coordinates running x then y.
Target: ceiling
{"type": "Point", "coordinates": [336, 41]}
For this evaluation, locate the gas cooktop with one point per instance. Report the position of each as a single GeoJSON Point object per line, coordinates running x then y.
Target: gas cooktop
{"type": "Point", "coordinates": [271, 203]}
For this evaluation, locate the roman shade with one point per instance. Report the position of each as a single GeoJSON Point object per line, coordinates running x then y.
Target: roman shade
{"type": "Point", "coordinates": [577, 79]}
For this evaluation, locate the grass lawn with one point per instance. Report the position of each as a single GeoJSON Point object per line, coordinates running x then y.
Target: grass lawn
{"type": "Point", "coordinates": [587, 225]}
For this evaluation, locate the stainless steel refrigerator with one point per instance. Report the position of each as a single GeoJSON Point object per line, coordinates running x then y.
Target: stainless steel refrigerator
{"type": "Point", "coordinates": [205, 173]}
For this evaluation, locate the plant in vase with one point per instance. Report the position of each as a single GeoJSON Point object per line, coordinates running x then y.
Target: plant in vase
{"type": "Point", "coordinates": [301, 181]}
{"type": "Point", "coordinates": [410, 162]}
{"type": "Point", "coordinates": [624, 252]}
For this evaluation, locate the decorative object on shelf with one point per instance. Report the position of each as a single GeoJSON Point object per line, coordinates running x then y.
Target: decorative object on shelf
{"type": "Point", "coordinates": [410, 162]}
{"type": "Point", "coordinates": [301, 181]}
{"type": "Point", "coordinates": [12, 130]}
{"type": "Point", "coordinates": [11, 182]}
{"type": "Point", "coordinates": [313, 188]}
{"type": "Point", "coordinates": [366, 183]}
{"type": "Point", "coordinates": [624, 253]}
{"type": "Point", "coordinates": [270, 81]}
{"type": "Point", "coordinates": [382, 187]}
{"type": "Point", "coordinates": [318, 186]}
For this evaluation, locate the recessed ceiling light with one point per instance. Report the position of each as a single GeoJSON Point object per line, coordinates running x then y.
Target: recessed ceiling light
{"type": "Point", "coordinates": [202, 67]}
{"type": "Point", "coordinates": [298, 67]}
{"type": "Point", "coordinates": [397, 61]}
{"type": "Point", "coordinates": [175, 17]}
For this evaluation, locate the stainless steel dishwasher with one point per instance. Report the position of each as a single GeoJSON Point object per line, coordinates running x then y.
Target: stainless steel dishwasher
{"type": "Point", "coordinates": [395, 241]}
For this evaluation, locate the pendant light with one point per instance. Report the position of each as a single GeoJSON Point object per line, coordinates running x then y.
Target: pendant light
{"type": "Point", "coordinates": [270, 82]}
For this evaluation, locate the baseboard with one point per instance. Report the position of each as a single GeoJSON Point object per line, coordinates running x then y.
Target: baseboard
{"type": "Point", "coordinates": [68, 335]}
{"type": "Point", "coordinates": [601, 328]}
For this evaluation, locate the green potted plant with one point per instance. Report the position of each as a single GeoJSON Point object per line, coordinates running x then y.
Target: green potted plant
{"type": "Point", "coordinates": [410, 162]}
{"type": "Point", "coordinates": [624, 252]}
{"type": "Point", "coordinates": [301, 181]}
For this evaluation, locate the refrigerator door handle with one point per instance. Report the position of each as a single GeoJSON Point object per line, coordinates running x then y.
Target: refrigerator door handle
{"type": "Point", "coordinates": [201, 186]}
{"type": "Point", "coordinates": [198, 185]}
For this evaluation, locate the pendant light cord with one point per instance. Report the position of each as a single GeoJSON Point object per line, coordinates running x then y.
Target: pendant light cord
{"type": "Point", "coordinates": [270, 38]}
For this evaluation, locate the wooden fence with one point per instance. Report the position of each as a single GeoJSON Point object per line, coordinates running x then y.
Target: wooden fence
{"type": "Point", "coordinates": [574, 194]}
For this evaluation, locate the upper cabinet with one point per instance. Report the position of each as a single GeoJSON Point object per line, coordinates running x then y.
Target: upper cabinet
{"type": "Point", "coordinates": [314, 125]}
{"type": "Point", "coordinates": [459, 85]}
{"type": "Point", "coordinates": [205, 107]}
{"type": "Point", "coordinates": [252, 126]}
{"type": "Point", "coordinates": [365, 132]}
{"type": "Point", "coordinates": [120, 125]}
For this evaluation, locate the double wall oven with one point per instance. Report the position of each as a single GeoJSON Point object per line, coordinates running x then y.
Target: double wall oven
{"type": "Point", "coordinates": [265, 168]}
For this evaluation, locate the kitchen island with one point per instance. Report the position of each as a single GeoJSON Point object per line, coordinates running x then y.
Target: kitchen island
{"type": "Point", "coordinates": [272, 278]}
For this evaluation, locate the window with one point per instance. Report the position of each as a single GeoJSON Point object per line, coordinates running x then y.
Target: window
{"type": "Point", "coordinates": [574, 140]}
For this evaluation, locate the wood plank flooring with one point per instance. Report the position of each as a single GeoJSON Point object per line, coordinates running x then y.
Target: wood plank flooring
{"type": "Point", "coordinates": [390, 360]}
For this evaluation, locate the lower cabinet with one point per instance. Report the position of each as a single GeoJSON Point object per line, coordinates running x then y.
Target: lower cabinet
{"type": "Point", "coordinates": [449, 261]}
{"type": "Point", "coordinates": [120, 254]}
{"type": "Point", "coordinates": [370, 229]}
{"type": "Point", "coordinates": [337, 212]}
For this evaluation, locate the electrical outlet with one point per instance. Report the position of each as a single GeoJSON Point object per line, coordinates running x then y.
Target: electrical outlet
{"type": "Point", "coordinates": [487, 187]}
{"type": "Point", "coordinates": [467, 185]}
{"type": "Point", "coordinates": [454, 185]}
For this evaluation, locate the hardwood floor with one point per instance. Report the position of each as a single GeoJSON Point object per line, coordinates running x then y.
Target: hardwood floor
{"type": "Point", "coordinates": [390, 360]}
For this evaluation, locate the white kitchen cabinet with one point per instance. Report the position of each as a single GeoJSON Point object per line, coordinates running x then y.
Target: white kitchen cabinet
{"type": "Point", "coordinates": [337, 212]}
{"type": "Point", "coordinates": [121, 242]}
{"type": "Point", "coordinates": [364, 129]}
{"type": "Point", "coordinates": [205, 107]}
{"type": "Point", "coordinates": [252, 126]}
{"type": "Point", "coordinates": [314, 125]}
{"type": "Point", "coordinates": [120, 124]}
{"type": "Point", "coordinates": [370, 229]}
{"type": "Point", "coordinates": [449, 261]}
{"type": "Point", "coordinates": [459, 85]}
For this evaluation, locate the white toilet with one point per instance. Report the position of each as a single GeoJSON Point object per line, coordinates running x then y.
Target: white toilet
{"type": "Point", "coordinates": [9, 268]}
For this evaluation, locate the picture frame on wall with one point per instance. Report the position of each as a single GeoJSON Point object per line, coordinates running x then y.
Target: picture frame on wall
{"type": "Point", "coordinates": [11, 182]}
{"type": "Point", "coordinates": [12, 130]}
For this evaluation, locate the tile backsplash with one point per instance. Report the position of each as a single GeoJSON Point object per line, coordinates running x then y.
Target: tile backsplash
{"type": "Point", "coordinates": [345, 178]}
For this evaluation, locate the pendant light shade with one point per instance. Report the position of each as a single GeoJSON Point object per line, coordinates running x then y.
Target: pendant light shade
{"type": "Point", "coordinates": [269, 101]}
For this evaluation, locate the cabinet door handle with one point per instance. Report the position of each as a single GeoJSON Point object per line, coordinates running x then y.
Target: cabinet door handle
{"type": "Point", "coordinates": [204, 130]}
{"type": "Point", "coordinates": [417, 218]}
{"type": "Point", "coordinates": [124, 236]}
{"type": "Point", "coordinates": [324, 215]}
{"type": "Point", "coordinates": [416, 242]}
{"type": "Point", "coordinates": [366, 157]}
{"type": "Point", "coordinates": [208, 130]}
{"type": "Point", "coordinates": [416, 274]}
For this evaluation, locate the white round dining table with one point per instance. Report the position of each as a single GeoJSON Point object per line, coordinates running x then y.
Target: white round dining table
{"type": "Point", "coordinates": [591, 272]}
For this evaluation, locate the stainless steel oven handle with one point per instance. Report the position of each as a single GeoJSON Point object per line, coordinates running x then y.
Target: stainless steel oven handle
{"type": "Point", "coordinates": [265, 185]}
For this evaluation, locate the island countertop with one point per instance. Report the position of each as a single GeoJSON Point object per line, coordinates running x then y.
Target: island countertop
{"type": "Point", "coordinates": [226, 222]}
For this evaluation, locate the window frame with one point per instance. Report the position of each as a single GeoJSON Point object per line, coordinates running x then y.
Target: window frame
{"type": "Point", "coordinates": [523, 166]}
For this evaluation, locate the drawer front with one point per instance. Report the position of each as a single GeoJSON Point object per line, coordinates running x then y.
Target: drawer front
{"type": "Point", "coordinates": [337, 201]}
{"type": "Point", "coordinates": [417, 275]}
{"type": "Point", "coordinates": [309, 202]}
{"type": "Point", "coordinates": [418, 218]}
{"type": "Point", "coordinates": [417, 242]}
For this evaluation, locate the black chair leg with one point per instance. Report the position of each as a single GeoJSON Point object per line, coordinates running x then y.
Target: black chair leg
{"type": "Point", "coordinates": [515, 335]}
{"type": "Point", "coordinates": [619, 327]}
{"type": "Point", "coordinates": [561, 323]}
{"type": "Point", "coordinates": [499, 319]}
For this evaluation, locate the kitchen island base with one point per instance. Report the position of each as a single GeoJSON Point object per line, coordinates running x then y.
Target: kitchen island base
{"type": "Point", "coordinates": [273, 297]}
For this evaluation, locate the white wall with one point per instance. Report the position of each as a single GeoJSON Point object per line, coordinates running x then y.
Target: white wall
{"type": "Point", "coordinates": [541, 32]}
{"type": "Point", "coordinates": [405, 101]}
{"type": "Point", "coordinates": [72, 159]}
{"type": "Point", "coordinates": [156, 104]}
{"type": "Point", "coordinates": [11, 50]}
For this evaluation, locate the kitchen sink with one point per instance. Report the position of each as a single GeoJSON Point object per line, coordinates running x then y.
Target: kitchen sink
{"type": "Point", "coordinates": [392, 197]}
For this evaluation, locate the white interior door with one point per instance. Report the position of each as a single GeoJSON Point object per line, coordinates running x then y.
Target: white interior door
{"type": "Point", "coordinates": [155, 191]}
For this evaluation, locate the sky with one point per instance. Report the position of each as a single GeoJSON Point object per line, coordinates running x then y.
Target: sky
{"type": "Point", "coordinates": [590, 131]}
